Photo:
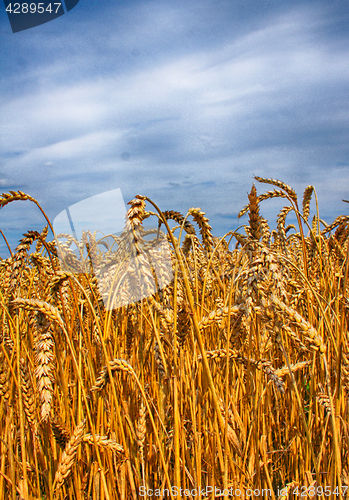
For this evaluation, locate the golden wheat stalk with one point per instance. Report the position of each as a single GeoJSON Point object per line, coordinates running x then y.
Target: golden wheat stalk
{"type": "Point", "coordinates": [141, 429]}
{"type": "Point", "coordinates": [323, 399]}
{"type": "Point", "coordinates": [68, 458]}
{"type": "Point", "coordinates": [218, 314]}
{"type": "Point", "coordinates": [28, 395]}
{"type": "Point", "coordinates": [254, 217]}
{"type": "Point", "coordinates": [43, 236]}
{"type": "Point", "coordinates": [342, 219]}
{"type": "Point", "coordinates": [179, 218]}
{"type": "Point", "coordinates": [45, 308]}
{"type": "Point", "coordinates": [281, 222]}
{"type": "Point", "coordinates": [306, 201]}
{"type": "Point", "coordinates": [204, 227]}
{"type": "Point", "coordinates": [60, 433]}
{"type": "Point", "coordinates": [309, 332]}
{"type": "Point", "coordinates": [115, 365]}
{"type": "Point", "coordinates": [5, 387]}
{"type": "Point", "coordinates": [281, 372]}
{"type": "Point", "coordinates": [19, 258]}
{"type": "Point", "coordinates": [44, 364]}
{"type": "Point", "coordinates": [104, 442]}
{"type": "Point", "coordinates": [6, 198]}
{"type": "Point", "coordinates": [232, 436]}
{"type": "Point", "coordinates": [290, 192]}
{"type": "Point", "coordinates": [276, 193]}
{"type": "Point", "coordinates": [263, 364]}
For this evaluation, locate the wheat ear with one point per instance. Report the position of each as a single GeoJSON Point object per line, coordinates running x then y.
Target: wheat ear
{"type": "Point", "coordinates": [28, 395]}
{"type": "Point", "coordinates": [115, 365]}
{"type": "Point", "coordinates": [60, 433]}
{"type": "Point", "coordinates": [38, 305]}
{"type": "Point", "coordinates": [44, 364]}
{"type": "Point", "coordinates": [306, 201]}
{"type": "Point", "coordinates": [204, 227]}
{"type": "Point", "coordinates": [104, 442]}
{"type": "Point", "coordinates": [291, 192]}
{"type": "Point", "coordinates": [68, 457]}
{"type": "Point", "coordinates": [255, 219]}
{"type": "Point", "coordinates": [276, 193]}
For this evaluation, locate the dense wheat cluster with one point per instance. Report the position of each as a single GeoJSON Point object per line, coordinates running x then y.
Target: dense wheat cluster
{"type": "Point", "coordinates": [234, 375]}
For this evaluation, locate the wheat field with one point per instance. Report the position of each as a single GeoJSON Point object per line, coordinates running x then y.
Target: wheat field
{"type": "Point", "coordinates": [231, 381]}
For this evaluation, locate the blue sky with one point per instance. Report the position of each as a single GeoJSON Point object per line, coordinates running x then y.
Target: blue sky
{"type": "Point", "coordinates": [180, 101]}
